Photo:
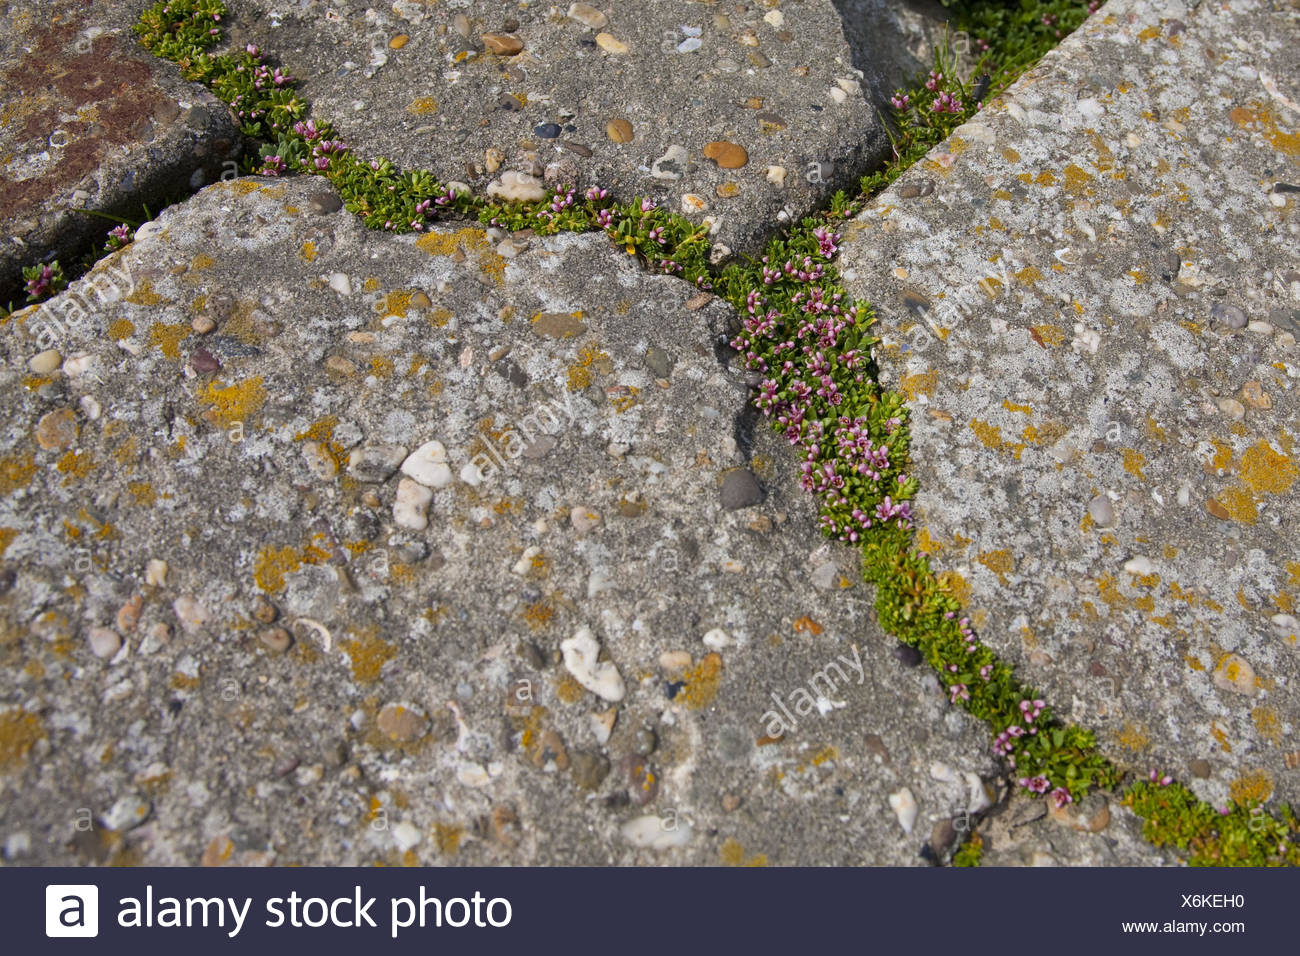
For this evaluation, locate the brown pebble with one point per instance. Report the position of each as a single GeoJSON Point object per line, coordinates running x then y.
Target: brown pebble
{"type": "Point", "coordinates": [203, 361]}
{"type": "Point", "coordinates": [57, 430]}
{"type": "Point", "coordinates": [1216, 509]}
{"type": "Point", "coordinates": [275, 639]}
{"type": "Point", "coordinates": [619, 130]}
{"type": "Point", "coordinates": [726, 155]}
{"type": "Point", "coordinates": [128, 616]}
{"type": "Point", "coordinates": [402, 723]}
{"type": "Point", "coordinates": [502, 44]}
{"type": "Point", "coordinates": [1200, 768]}
{"type": "Point", "coordinates": [576, 148]}
{"type": "Point", "coordinates": [399, 41]}
{"type": "Point", "coordinates": [420, 301]}
{"type": "Point", "coordinates": [730, 802]}
{"type": "Point", "coordinates": [699, 301]}
{"type": "Point", "coordinates": [265, 611]}
{"type": "Point", "coordinates": [203, 325]}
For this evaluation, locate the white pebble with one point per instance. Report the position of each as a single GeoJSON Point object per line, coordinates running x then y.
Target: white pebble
{"type": "Point", "coordinates": [104, 642]}
{"type": "Point", "coordinates": [525, 561]}
{"type": "Point", "coordinates": [90, 407]}
{"type": "Point", "coordinates": [581, 653]}
{"type": "Point", "coordinates": [340, 283]}
{"type": "Point", "coordinates": [775, 19]}
{"type": "Point", "coordinates": [190, 613]}
{"type": "Point", "coordinates": [515, 185]}
{"type": "Point", "coordinates": [155, 573]}
{"type": "Point", "coordinates": [654, 833]}
{"type": "Point", "coordinates": [127, 813]}
{"type": "Point", "coordinates": [1140, 565]}
{"type": "Point", "coordinates": [717, 639]}
{"type": "Point", "coordinates": [410, 508]}
{"type": "Point", "coordinates": [776, 175]}
{"type": "Point", "coordinates": [428, 465]}
{"type": "Point", "coordinates": [406, 836]}
{"type": "Point", "coordinates": [45, 363]}
{"type": "Point", "coordinates": [904, 806]}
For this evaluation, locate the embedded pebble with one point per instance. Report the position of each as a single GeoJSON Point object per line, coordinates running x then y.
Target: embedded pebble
{"type": "Point", "coordinates": [406, 836]}
{"type": "Point", "coordinates": [126, 813]}
{"type": "Point", "coordinates": [588, 16]}
{"type": "Point", "coordinates": [340, 283]}
{"type": "Point", "coordinates": [104, 642]}
{"type": "Point", "coordinates": [740, 489]}
{"type": "Point", "coordinates": [584, 519]}
{"type": "Point", "coordinates": [402, 722]}
{"type": "Point", "coordinates": [45, 363]}
{"type": "Point", "coordinates": [319, 460]}
{"type": "Point", "coordinates": [619, 131]}
{"type": "Point", "coordinates": [581, 659]}
{"type": "Point", "coordinates": [717, 639]}
{"type": "Point", "coordinates": [514, 185]}
{"type": "Point", "coordinates": [128, 615]}
{"type": "Point", "coordinates": [502, 44]}
{"type": "Point", "coordinates": [1235, 674]}
{"type": "Point", "coordinates": [650, 832]}
{"type": "Point", "coordinates": [57, 430]}
{"type": "Point", "coordinates": [672, 164]}
{"type": "Point", "coordinates": [611, 44]}
{"type": "Point", "coordinates": [1102, 511]}
{"type": "Point", "coordinates": [776, 175]}
{"type": "Point", "coordinates": [275, 639]}
{"type": "Point", "coordinates": [410, 509]}
{"type": "Point", "coordinates": [155, 573]}
{"type": "Point", "coordinates": [1228, 315]}
{"type": "Point", "coordinates": [904, 806]}
{"type": "Point", "coordinates": [190, 613]}
{"type": "Point", "coordinates": [726, 155]}
{"type": "Point", "coordinates": [375, 464]}
{"type": "Point", "coordinates": [428, 465]}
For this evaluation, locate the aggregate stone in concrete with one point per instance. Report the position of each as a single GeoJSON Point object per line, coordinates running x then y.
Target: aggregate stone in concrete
{"type": "Point", "coordinates": [251, 614]}
{"type": "Point", "coordinates": [92, 123]}
{"type": "Point", "coordinates": [1090, 296]}
{"type": "Point", "coordinates": [421, 85]}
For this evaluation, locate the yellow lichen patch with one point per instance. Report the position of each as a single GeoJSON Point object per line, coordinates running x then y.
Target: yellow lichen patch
{"type": "Point", "coordinates": [19, 732]}
{"type": "Point", "coordinates": [1132, 737]}
{"type": "Point", "coordinates": [1253, 786]}
{"type": "Point", "coordinates": [1029, 275]}
{"type": "Point", "coordinates": [999, 562]}
{"type": "Point", "coordinates": [1010, 155]}
{"type": "Point", "coordinates": [1076, 181]}
{"type": "Point", "coordinates": [368, 653]}
{"type": "Point", "coordinates": [732, 853]}
{"type": "Point", "coordinates": [538, 615]}
{"type": "Point", "coordinates": [807, 624]}
{"type": "Point", "coordinates": [1045, 178]}
{"type": "Point", "coordinates": [702, 682]}
{"type": "Point", "coordinates": [228, 404]}
{"type": "Point", "coordinates": [580, 374]}
{"type": "Point", "coordinates": [121, 329]}
{"type": "Point", "coordinates": [308, 251]}
{"type": "Point", "coordinates": [16, 470]}
{"type": "Point", "coordinates": [381, 366]}
{"type": "Point", "coordinates": [922, 383]}
{"type": "Point", "coordinates": [1047, 334]}
{"type": "Point", "coordinates": [1264, 470]}
{"type": "Point", "coordinates": [467, 240]}
{"type": "Point", "coordinates": [1048, 433]}
{"type": "Point", "coordinates": [1267, 724]}
{"type": "Point", "coordinates": [143, 294]}
{"type": "Point", "coordinates": [168, 338]}
{"type": "Point", "coordinates": [992, 438]}
{"type": "Point", "coordinates": [395, 303]}
{"type": "Point", "coordinates": [1002, 194]}
{"type": "Point", "coordinates": [446, 837]}
{"type": "Point", "coordinates": [1134, 461]}
{"type": "Point", "coordinates": [1239, 504]}
{"type": "Point", "coordinates": [1261, 120]}
{"type": "Point", "coordinates": [824, 755]}
{"type": "Point", "coordinates": [1013, 407]}
{"type": "Point", "coordinates": [439, 317]}
{"type": "Point", "coordinates": [957, 586]}
{"type": "Point", "coordinates": [202, 261]}
{"type": "Point", "coordinates": [422, 106]}
{"type": "Point", "coordinates": [143, 493]}
{"type": "Point", "coordinates": [7, 536]}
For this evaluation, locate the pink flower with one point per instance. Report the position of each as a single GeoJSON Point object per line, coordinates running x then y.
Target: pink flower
{"type": "Point", "coordinates": [1060, 797]}
{"type": "Point", "coordinates": [1039, 784]}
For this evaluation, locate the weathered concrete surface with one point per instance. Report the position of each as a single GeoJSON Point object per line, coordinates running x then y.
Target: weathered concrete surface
{"type": "Point", "coordinates": [419, 84]}
{"type": "Point", "coordinates": [1090, 295]}
{"type": "Point", "coordinates": [423, 710]}
{"type": "Point", "coordinates": [91, 121]}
